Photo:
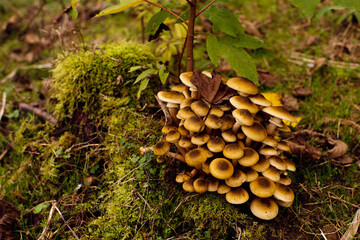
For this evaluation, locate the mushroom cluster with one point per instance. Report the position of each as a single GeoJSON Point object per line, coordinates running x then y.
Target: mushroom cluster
{"type": "Point", "coordinates": [231, 148]}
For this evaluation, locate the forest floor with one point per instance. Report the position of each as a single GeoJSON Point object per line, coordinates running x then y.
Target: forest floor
{"type": "Point", "coordinates": [313, 66]}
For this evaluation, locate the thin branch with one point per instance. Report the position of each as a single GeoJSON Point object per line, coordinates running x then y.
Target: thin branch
{"type": "Point", "coordinates": [44, 232]}
{"type": "Point", "coordinates": [38, 112]}
{"type": "Point", "coordinates": [165, 9]}
{"type": "Point", "coordinates": [181, 56]}
{"type": "Point", "coordinates": [62, 217]}
{"type": "Point", "coordinates": [3, 105]}
{"type": "Point", "coordinates": [15, 71]}
{"type": "Point", "coordinates": [190, 38]}
{"type": "Point", "coordinates": [204, 8]}
{"type": "Point", "coordinates": [168, 118]}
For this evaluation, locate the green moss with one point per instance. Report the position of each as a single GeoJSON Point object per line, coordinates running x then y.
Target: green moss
{"type": "Point", "coordinates": [85, 80]}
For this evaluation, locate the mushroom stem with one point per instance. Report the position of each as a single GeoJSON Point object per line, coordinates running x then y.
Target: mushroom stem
{"type": "Point", "coordinates": [270, 128]}
{"type": "Point", "coordinates": [181, 150]}
{"type": "Point", "coordinates": [144, 150]}
{"type": "Point", "coordinates": [248, 142]}
{"type": "Point", "coordinates": [173, 112]}
{"type": "Point", "coordinates": [168, 117]}
{"type": "Point", "coordinates": [236, 127]}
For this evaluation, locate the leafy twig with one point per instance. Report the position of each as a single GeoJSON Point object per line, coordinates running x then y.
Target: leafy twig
{"type": "Point", "coordinates": [165, 9]}
{"type": "Point", "coordinates": [204, 8]}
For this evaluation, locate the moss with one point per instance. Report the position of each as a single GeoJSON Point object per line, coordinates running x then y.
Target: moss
{"type": "Point", "coordinates": [85, 80]}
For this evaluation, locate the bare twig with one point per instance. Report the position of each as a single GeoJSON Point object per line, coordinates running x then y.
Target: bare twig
{"type": "Point", "coordinates": [143, 150]}
{"type": "Point", "coordinates": [15, 71]}
{"type": "Point", "coordinates": [190, 37]}
{"type": "Point", "coordinates": [38, 112]}
{"type": "Point", "coordinates": [204, 8]}
{"type": "Point", "coordinates": [62, 217]}
{"type": "Point", "coordinates": [165, 9]}
{"type": "Point", "coordinates": [168, 118]}
{"type": "Point", "coordinates": [44, 232]}
{"type": "Point", "coordinates": [2, 110]}
{"type": "Point", "coordinates": [7, 149]}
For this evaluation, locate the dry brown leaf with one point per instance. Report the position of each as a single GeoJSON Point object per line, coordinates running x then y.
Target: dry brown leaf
{"type": "Point", "coordinates": [330, 232]}
{"type": "Point", "coordinates": [298, 146]}
{"type": "Point", "coordinates": [290, 103]}
{"type": "Point", "coordinates": [345, 159]}
{"type": "Point", "coordinates": [353, 228]}
{"type": "Point", "coordinates": [318, 63]}
{"type": "Point", "coordinates": [32, 38]}
{"type": "Point", "coordinates": [8, 215]}
{"type": "Point", "coordinates": [266, 78]}
{"type": "Point", "coordinates": [301, 91]}
{"type": "Point", "coordinates": [339, 148]}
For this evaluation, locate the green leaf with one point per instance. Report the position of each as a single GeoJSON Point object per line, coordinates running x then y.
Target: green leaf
{"type": "Point", "coordinates": [239, 60]}
{"type": "Point", "coordinates": [307, 7]}
{"type": "Point", "coordinates": [40, 208]}
{"type": "Point", "coordinates": [244, 41]}
{"type": "Point", "coordinates": [224, 20]}
{"type": "Point", "coordinates": [326, 9]}
{"type": "Point", "coordinates": [119, 7]}
{"type": "Point", "coordinates": [156, 20]}
{"type": "Point", "coordinates": [213, 50]}
{"type": "Point", "coordinates": [14, 114]}
{"type": "Point", "coordinates": [74, 3]}
{"type": "Point", "coordinates": [143, 85]}
{"type": "Point", "coordinates": [145, 74]}
{"type": "Point", "coordinates": [59, 151]}
{"type": "Point", "coordinates": [163, 75]}
{"type": "Point", "coordinates": [354, 4]}
{"type": "Point", "coordinates": [135, 68]}
{"type": "Point", "coordinates": [345, 15]}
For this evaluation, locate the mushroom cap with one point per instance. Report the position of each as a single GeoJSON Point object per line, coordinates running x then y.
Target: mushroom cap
{"type": "Point", "coordinates": [200, 138]}
{"type": "Point", "coordinates": [188, 185]}
{"type": "Point", "coordinates": [233, 151]}
{"type": "Point", "coordinates": [272, 173]}
{"type": "Point", "coordinates": [207, 73]}
{"type": "Point", "coordinates": [182, 177]}
{"type": "Point", "coordinates": [209, 153]}
{"type": "Point", "coordinates": [240, 135]}
{"type": "Point", "coordinates": [173, 136]}
{"type": "Point", "coordinates": [212, 121]}
{"type": "Point", "coordinates": [270, 141]}
{"type": "Point", "coordinates": [185, 142]}
{"type": "Point", "coordinates": [228, 122]}
{"type": "Point", "coordinates": [205, 166]}
{"type": "Point", "coordinates": [200, 108]}
{"type": "Point", "coordinates": [201, 185]}
{"type": "Point", "coordinates": [256, 132]}
{"type": "Point", "coordinates": [250, 157]}
{"type": "Point", "coordinates": [185, 78]}
{"type": "Point", "coordinates": [284, 204]}
{"type": "Point", "coordinates": [262, 187]}
{"type": "Point", "coordinates": [215, 144]}
{"type": "Point", "coordinates": [187, 102]}
{"type": "Point", "coordinates": [264, 208]}
{"type": "Point", "coordinates": [243, 85]}
{"type": "Point", "coordinates": [259, 99]}
{"type": "Point", "coordinates": [195, 157]}
{"type": "Point", "coordinates": [268, 151]}
{"type": "Point", "coordinates": [279, 112]}
{"type": "Point", "coordinates": [243, 116]}
{"type": "Point", "coordinates": [237, 179]}
{"type": "Point", "coordinates": [194, 124]}
{"type": "Point", "coordinates": [171, 97]}
{"type": "Point", "coordinates": [213, 184]}
{"type": "Point", "coordinates": [240, 102]}
{"type": "Point", "coordinates": [185, 113]}
{"type": "Point", "coordinates": [283, 193]}
{"type": "Point", "coordinates": [262, 165]}
{"type": "Point", "coordinates": [221, 168]}
{"type": "Point", "coordinates": [183, 131]}
{"type": "Point", "coordinates": [284, 179]}
{"type": "Point", "coordinates": [167, 128]}
{"type": "Point", "coordinates": [251, 174]}
{"type": "Point", "coordinates": [216, 110]}
{"type": "Point", "coordinates": [228, 135]}
{"type": "Point", "coordinates": [289, 165]}
{"type": "Point", "coordinates": [179, 88]}
{"type": "Point", "coordinates": [237, 196]}
{"type": "Point", "coordinates": [277, 163]}
{"type": "Point", "coordinates": [223, 188]}
{"type": "Point", "coordinates": [283, 146]}
{"type": "Point", "coordinates": [161, 148]}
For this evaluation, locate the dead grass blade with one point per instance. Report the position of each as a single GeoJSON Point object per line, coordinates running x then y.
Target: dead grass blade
{"type": "Point", "coordinates": [353, 228]}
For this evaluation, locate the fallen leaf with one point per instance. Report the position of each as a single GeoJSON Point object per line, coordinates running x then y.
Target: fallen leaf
{"type": "Point", "coordinates": [345, 159]}
{"type": "Point", "coordinates": [330, 232]}
{"type": "Point", "coordinates": [339, 148]}
{"type": "Point", "coordinates": [312, 40]}
{"type": "Point", "coordinates": [274, 98]}
{"type": "Point", "coordinates": [29, 57]}
{"type": "Point", "coordinates": [318, 63]}
{"type": "Point", "coordinates": [32, 38]}
{"type": "Point", "coordinates": [8, 215]}
{"type": "Point", "coordinates": [290, 103]}
{"type": "Point", "coordinates": [353, 228]}
{"type": "Point", "coordinates": [298, 146]}
{"type": "Point", "coordinates": [266, 78]}
{"type": "Point", "coordinates": [293, 124]}
{"type": "Point", "coordinates": [207, 87]}
{"type": "Point", "coordinates": [301, 91]}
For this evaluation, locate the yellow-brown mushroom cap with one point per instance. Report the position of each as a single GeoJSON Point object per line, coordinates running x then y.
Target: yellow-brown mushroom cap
{"type": "Point", "coordinates": [223, 188]}
{"type": "Point", "coordinates": [195, 157]}
{"type": "Point", "coordinates": [213, 184]}
{"type": "Point", "coordinates": [200, 138]}
{"type": "Point", "coordinates": [256, 132]}
{"type": "Point", "coordinates": [188, 185]}
{"type": "Point", "coordinates": [251, 174]}
{"type": "Point", "coordinates": [172, 136]}
{"type": "Point", "coordinates": [215, 144]}
{"type": "Point", "coordinates": [259, 99]}
{"type": "Point", "coordinates": [227, 122]}
{"type": "Point", "coordinates": [237, 179]}
{"type": "Point", "coordinates": [187, 102]}
{"type": "Point", "coordinates": [262, 187]}
{"type": "Point", "coordinates": [264, 208]}
{"type": "Point", "coordinates": [272, 173]}
{"type": "Point", "coordinates": [277, 163]}
{"type": "Point", "coordinates": [284, 179]}
{"type": "Point", "coordinates": [283, 193]}
{"type": "Point", "coordinates": [201, 185]}
{"type": "Point", "coordinates": [200, 108]}
{"type": "Point", "coordinates": [216, 110]}
{"type": "Point", "coordinates": [167, 128]}
{"type": "Point", "coordinates": [185, 78]}
{"type": "Point", "coordinates": [221, 168]}
{"type": "Point", "coordinates": [250, 157]}
{"type": "Point", "coordinates": [185, 142]}
{"type": "Point", "coordinates": [185, 113]}
{"type": "Point", "coordinates": [268, 151]}
{"type": "Point", "coordinates": [171, 97]}
{"type": "Point", "coordinates": [243, 116]}
{"type": "Point", "coordinates": [161, 148]}
{"type": "Point", "coordinates": [237, 196]}
{"type": "Point", "coordinates": [243, 85]}
{"type": "Point", "coordinates": [233, 151]}
{"type": "Point", "coordinates": [279, 112]}
{"type": "Point", "coordinates": [240, 102]}
{"type": "Point", "coordinates": [228, 135]}
{"type": "Point", "coordinates": [194, 124]}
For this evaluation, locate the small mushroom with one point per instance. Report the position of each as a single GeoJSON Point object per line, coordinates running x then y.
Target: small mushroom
{"type": "Point", "coordinates": [244, 103]}
{"type": "Point", "coordinates": [262, 187]}
{"type": "Point", "coordinates": [196, 157]}
{"type": "Point", "coordinates": [244, 86]}
{"type": "Point", "coordinates": [262, 165]}
{"type": "Point", "coordinates": [216, 144]}
{"type": "Point", "coordinates": [264, 208]}
{"type": "Point", "coordinates": [278, 113]}
{"type": "Point", "coordinates": [221, 168]}
{"type": "Point", "coordinates": [250, 157]}
{"type": "Point", "coordinates": [237, 179]}
{"type": "Point", "coordinates": [201, 185]}
{"type": "Point", "coordinates": [237, 196]}
{"type": "Point", "coordinates": [233, 151]}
